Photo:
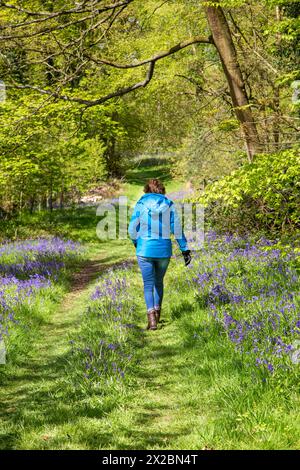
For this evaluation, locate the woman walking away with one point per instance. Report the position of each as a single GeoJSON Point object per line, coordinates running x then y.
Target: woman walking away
{"type": "Point", "coordinates": [153, 221]}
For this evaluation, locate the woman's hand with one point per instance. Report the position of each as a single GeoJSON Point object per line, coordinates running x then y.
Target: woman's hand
{"type": "Point", "coordinates": [187, 257]}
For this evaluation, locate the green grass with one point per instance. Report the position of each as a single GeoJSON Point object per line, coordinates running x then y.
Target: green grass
{"type": "Point", "coordinates": [179, 391]}
{"type": "Point", "coordinates": [178, 394]}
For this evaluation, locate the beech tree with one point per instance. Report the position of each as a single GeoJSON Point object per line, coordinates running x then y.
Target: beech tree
{"type": "Point", "coordinates": [223, 41]}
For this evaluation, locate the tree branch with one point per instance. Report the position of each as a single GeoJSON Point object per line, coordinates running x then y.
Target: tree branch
{"type": "Point", "coordinates": [93, 12]}
{"type": "Point", "coordinates": [121, 91]}
{"type": "Point", "coordinates": [39, 13]}
{"type": "Point", "coordinates": [90, 103]}
{"type": "Point", "coordinates": [158, 56]}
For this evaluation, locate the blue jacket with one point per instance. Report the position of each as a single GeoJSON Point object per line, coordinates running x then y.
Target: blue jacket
{"type": "Point", "coordinates": [153, 221]}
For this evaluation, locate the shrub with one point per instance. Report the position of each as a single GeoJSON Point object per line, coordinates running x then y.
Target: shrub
{"type": "Point", "coordinates": [263, 195]}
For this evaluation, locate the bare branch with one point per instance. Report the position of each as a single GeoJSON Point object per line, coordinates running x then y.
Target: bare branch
{"type": "Point", "coordinates": [158, 56]}
{"type": "Point", "coordinates": [94, 12]}
{"type": "Point", "coordinates": [65, 49]}
{"type": "Point", "coordinates": [90, 103]}
{"type": "Point", "coordinates": [37, 13]}
{"type": "Point", "coordinates": [122, 91]}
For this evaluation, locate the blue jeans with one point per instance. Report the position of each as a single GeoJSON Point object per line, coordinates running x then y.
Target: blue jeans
{"type": "Point", "coordinates": [153, 271]}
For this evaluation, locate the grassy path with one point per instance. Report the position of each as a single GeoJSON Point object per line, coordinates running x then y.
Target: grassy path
{"type": "Point", "coordinates": [158, 410]}
{"type": "Point", "coordinates": [183, 395]}
{"type": "Point", "coordinates": [32, 396]}
{"type": "Point", "coordinates": [36, 412]}
{"type": "Point", "coordinates": [163, 410]}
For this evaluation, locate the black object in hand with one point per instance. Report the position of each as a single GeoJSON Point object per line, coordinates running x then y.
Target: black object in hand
{"type": "Point", "coordinates": [187, 257]}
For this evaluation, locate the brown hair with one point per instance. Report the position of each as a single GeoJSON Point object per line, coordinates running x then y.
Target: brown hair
{"type": "Point", "coordinates": [154, 186]}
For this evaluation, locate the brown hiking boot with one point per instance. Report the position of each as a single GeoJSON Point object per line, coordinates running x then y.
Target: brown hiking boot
{"type": "Point", "coordinates": [151, 320]}
{"type": "Point", "coordinates": [157, 313]}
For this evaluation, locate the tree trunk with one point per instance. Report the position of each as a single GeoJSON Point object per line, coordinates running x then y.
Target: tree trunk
{"type": "Point", "coordinates": [50, 196]}
{"type": "Point", "coordinates": [223, 41]}
{"type": "Point", "coordinates": [31, 204]}
{"type": "Point", "coordinates": [276, 126]}
{"type": "Point", "coordinates": [21, 201]}
{"type": "Point", "coordinates": [112, 159]}
{"type": "Point", "coordinates": [276, 99]}
{"type": "Point", "coordinates": [62, 196]}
